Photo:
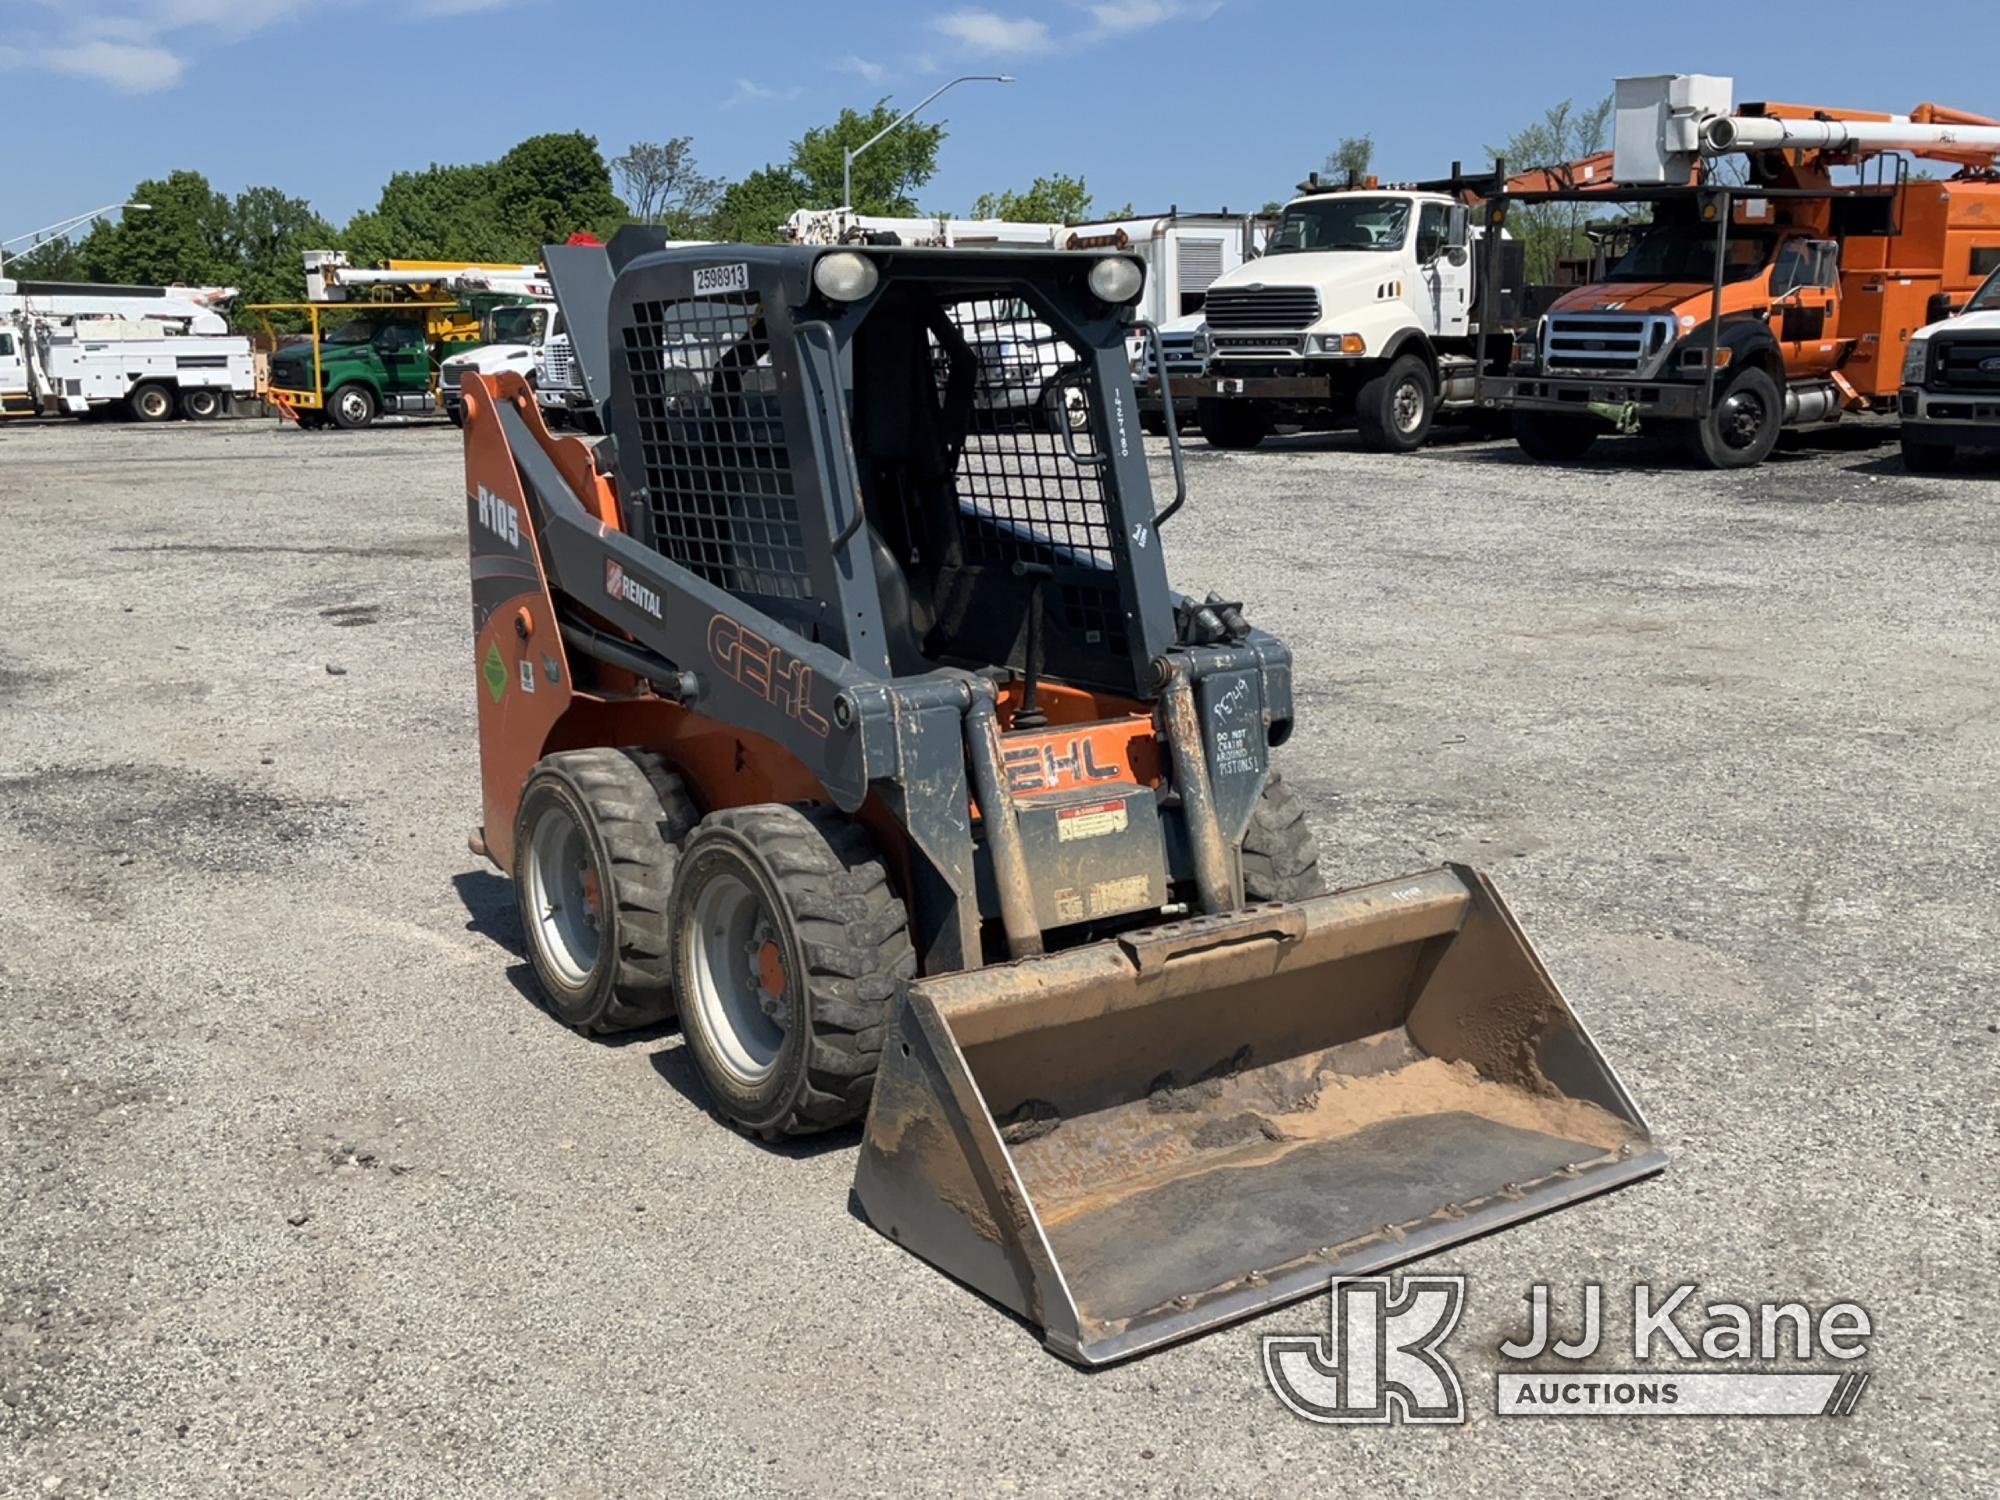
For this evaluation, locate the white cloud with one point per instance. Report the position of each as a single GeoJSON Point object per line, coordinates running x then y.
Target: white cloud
{"type": "Point", "coordinates": [124, 65]}
{"type": "Point", "coordinates": [138, 46]}
{"type": "Point", "coordinates": [428, 9]}
{"type": "Point", "coordinates": [995, 36]}
{"type": "Point", "coordinates": [749, 92]}
{"type": "Point", "coordinates": [862, 68]}
{"type": "Point", "coordinates": [1123, 17]}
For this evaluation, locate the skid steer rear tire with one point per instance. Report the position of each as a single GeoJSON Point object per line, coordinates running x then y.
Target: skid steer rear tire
{"type": "Point", "coordinates": [789, 945]}
{"type": "Point", "coordinates": [1280, 854]}
{"type": "Point", "coordinates": [613, 818]}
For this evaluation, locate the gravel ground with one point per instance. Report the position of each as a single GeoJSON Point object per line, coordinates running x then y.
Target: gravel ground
{"type": "Point", "coordinates": [302, 1195]}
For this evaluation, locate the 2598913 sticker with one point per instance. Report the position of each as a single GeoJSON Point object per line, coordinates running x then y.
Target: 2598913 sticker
{"type": "Point", "coordinates": [717, 281]}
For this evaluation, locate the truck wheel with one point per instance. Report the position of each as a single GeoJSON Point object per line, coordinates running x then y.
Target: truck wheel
{"type": "Point", "coordinates": [1280, 855]}
{"type": "Point", "coordinates": [1550, 437]}
{"type": "Point", "coordinates": [201, 404]}
{"type": "Point", "coordinates": [788, 946]}
{"type": "Point", "coordinates": [1153, 423]}
{"type": "Point", "coordinates": [352, 406]}
{"type": "Point", "coordinates": [1065, 408]}
{"type": "Point", "coordinates": [457, 415]}
{"type": "Point", "coordinates": [1743, 428]}
{"type": "Point", "coordinates": [151, 403]}
{"type": "Point", "coordinates": [594, 859]}
{"type": "Point", "coordinates": [1920, 457]}
{"type": "Point", "coordinates": [1394, 410]}
{"type": "Point", "coordinates": [312, 421]}
{"type": "Point", "coordinates": [1230, 424]}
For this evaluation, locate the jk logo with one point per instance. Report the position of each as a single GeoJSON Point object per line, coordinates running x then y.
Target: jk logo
{"type": "Point", "coordinates": [1382, 1362]}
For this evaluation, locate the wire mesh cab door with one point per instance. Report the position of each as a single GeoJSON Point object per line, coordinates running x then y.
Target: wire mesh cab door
{"type": "Point", "coordinates": [728, 465]}
{"type": "Point", "coordinates": [997, 448]}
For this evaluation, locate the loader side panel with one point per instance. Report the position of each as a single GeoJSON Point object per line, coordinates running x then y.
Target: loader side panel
{"type": "Point", "coordinates": [519, 663]}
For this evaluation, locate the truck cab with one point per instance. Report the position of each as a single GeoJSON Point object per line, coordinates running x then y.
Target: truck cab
{"type": "Point", "coordinates": [365, 366]}
{"type": "Point", "coordinates": [1950, 398]}
{"type": "Point", "coordinates": [1360, 311]}
{"type": "Point", "coordinates": [511, 338]}
{"type": "Point", "coordinates": [15, 398]}
{"type": "Point", "coordinates": [1634, 345]}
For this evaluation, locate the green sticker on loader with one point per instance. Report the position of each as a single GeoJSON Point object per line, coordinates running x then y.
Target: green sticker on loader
{"type": "Point", "coordinates": [495, 672]}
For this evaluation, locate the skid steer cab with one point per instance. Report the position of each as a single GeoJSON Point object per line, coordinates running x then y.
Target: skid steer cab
{"type": "Point", "coordinates": [839, 703]}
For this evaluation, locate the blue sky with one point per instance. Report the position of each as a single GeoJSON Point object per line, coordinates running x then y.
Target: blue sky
{"type": "Point", "coordinates": [1204, 103]}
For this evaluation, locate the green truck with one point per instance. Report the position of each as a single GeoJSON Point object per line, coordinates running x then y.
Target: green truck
{"type": "Point", "coordinates": [362, 368]}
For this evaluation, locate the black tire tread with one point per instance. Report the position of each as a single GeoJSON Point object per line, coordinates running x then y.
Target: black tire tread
{"type": "Point", "coordinates": [855, 935]}
{"type": "Point", "coordinates": [641, 812]}
{"type": "Point", "coordinates": [1280, 854]}
{"type": "Point", "coordinates": [1372, 413]}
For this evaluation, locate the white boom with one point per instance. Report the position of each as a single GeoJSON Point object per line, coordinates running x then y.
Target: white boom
{"type": "Point", "coordinates": [1746, 133]}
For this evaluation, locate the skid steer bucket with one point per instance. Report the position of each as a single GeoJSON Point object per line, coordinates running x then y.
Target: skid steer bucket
{"type": "Point", "coordinates": [1133, 1141]}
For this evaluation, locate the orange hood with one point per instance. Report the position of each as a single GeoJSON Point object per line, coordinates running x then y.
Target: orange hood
{"type": "Point", "coordinates": [1635, 296]}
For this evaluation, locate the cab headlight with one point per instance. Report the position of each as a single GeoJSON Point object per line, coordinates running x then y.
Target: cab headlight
{"type": "Point", "coordinates": [1914, 359]}
{"type": "Point", "coordinates": [1341, 343]}
{"type": "Point", "coordinates": [1115, 279]}
{"type": "Point", "coordinates": [844, 276]}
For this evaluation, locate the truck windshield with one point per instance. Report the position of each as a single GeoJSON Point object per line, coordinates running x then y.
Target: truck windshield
{"type": "Point", "coordinates": [360, 331]}
{"type": "Point", "coordinates": [1686, 252]}
{"type": "Point", "coordinates": [517, 325]}
{"type": "Point", "coordinates": [1343, 223]}
{"type": "Point", "coordinates": [1987, 298]}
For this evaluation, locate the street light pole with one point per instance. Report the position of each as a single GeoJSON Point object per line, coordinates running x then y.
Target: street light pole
{"type": "Point", "coordinates": [63, 226]}
{"type": "Point", "coordinates": [847, 166]}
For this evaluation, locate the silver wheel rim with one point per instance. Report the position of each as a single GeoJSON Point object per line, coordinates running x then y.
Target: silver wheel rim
{"type": "Point", "coordinates": [565, 920]}
{"type": "Point", "coordinates": [353, 406]}
{"type": "Point", "coordinates": [201, 403]}
{"type": "Point", "coordinates": [153, 403]}
{"type": "Point", "coordinates": [1076, 411]}
{"type": "Point", "coordinates": [744, 1023]}
{"type": "Point", "coordinates": [1407, 407]}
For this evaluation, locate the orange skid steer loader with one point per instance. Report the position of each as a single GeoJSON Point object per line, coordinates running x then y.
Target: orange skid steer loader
{"type": "Point", "coordinates": [838, 703]}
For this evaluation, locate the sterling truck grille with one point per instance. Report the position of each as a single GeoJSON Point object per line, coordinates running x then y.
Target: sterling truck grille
{"type": "Point", "coordinates": [718, 497]}
{"type": "Point", "coordinates": [1965, 362]}
{"type": "Point", "coordinates": [1628, 344]}
{"type": "Point", "coordinates": [1261, 307]}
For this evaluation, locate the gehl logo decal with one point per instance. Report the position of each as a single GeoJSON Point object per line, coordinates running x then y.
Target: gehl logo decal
{"type": "Point", "coordinates": [1054, 764]}
{"type": "Point", "coordinates": [769, 671]}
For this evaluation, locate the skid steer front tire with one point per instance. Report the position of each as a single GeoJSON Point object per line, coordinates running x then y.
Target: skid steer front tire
{"type": "Point", "coordinates": [788, 946]}
{"type": "Point", "coordinates": [1280, 855]}
{"type": "Point", "coordinates": [594, 857]}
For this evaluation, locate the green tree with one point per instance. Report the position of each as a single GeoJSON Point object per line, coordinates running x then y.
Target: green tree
{"type": "Point", "coordinates": [1553, 232]}
{"type": "Point", "coordinates": [267, 235]}
{"type": "Point", "coordinates": [551, 186]}
{"type": "Point", "coordinates": [1348, 162]}
{"type": "Point", "coordinates": [1048, 200]}
{"type": "Point", "coordinates": [754, 210]}
{"type": "Point", "coordinates": [51, 260]}
{"type": "Point", "coordinates": [439, 213]}
{"type": "Point", "coordinates": [885, 179]}
{"type": "Point", "coordinates": [185, 237]}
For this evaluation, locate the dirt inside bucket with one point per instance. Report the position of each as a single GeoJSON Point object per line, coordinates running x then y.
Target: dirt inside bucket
{"type": "Point", "coordinates": [1237, 1115]}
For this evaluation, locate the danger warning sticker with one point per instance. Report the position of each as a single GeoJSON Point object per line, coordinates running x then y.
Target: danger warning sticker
{"type": "Point", "coordinates": [1091, 822]}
